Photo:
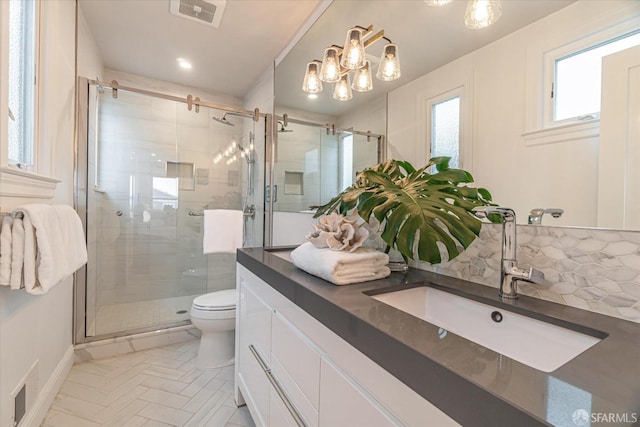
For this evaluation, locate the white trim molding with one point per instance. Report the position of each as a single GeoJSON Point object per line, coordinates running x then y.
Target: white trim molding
{"type": "Point", "coordinates": [563, 133]}
{"type": "Point", "coordinates": [48, 393]}
{"type": "Point", "coordinates": [15, 182]}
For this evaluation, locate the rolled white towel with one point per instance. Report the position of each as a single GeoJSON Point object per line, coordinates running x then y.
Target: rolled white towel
{"type": "Point", "coordinates": [5, 251]}
{"type": "Point", "coordinates": [339, 267]}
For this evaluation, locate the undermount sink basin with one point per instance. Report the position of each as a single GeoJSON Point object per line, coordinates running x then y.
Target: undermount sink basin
{"type": "Point", "coordinates": [535, 343]}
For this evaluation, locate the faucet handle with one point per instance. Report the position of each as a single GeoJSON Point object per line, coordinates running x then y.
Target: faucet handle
{"type": "Point", "coordinates": [536, 276]}
{"type": "Point", "coordinates": [484, 211]}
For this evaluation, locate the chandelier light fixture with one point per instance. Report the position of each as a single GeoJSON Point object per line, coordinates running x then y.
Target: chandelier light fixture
{"type": "Point", "coordinates": [437, 2]}
{"type": "Point", "coordinates": [479, 13]}
{"type": "Point", "coordinates": [482, 13]}
{"type": "Point", "coordinates": [338, 62]}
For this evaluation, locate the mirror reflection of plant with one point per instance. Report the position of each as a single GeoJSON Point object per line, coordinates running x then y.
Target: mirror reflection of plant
{"type": "Point", "coordinates": [416, 209]}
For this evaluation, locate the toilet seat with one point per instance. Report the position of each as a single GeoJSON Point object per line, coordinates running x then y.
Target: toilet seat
{"type": "Point", "coordinates": [216, 301]}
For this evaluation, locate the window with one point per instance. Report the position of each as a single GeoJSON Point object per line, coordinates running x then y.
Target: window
{"type": "Point", "coordinates": [445, 130]}
{"type": "Point", "coordinates": [346, 156]}
{"type": "Point", "coordinates": [576, 92]}
{"type": "Point", "coordinates": [22, 82]}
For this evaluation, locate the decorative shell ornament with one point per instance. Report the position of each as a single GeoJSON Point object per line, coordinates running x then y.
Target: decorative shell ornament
{"type": "Point", "coordinates": [339, 233]}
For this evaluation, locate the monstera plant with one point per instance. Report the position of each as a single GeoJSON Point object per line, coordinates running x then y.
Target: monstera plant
{"type": "Point", "coordinates": [416, 208]}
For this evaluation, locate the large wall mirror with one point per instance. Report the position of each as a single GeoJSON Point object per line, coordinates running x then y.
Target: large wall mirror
{"type": "Point", "coordinates": [513, 136]}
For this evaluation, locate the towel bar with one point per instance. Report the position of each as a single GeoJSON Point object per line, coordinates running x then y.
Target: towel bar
{"type": "Point", "coordinates": [13, 214]}
{"type": "Point", "coordinates": [192, 213]}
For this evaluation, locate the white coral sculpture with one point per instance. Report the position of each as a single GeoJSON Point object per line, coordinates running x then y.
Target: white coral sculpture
{"type": "Point", "coordinates": [338, 233]}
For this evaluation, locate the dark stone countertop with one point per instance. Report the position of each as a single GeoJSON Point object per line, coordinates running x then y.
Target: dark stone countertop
{"type": "Point", "coordinates": [472, 384]}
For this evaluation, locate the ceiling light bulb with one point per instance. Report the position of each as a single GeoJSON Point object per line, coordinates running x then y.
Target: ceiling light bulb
{"type": "Point", "coordinates": [437, 2]}
{"type": "Point", "coordinates": [362, 79]}
{"type": "Point", "coordinates": [312, 82]}
{"type": "Point", "coordinates": [183, 63]}
{"type": "Point", "coordinates": [482, 13]}
{"type": "Point", "coordinates": [312, 96]}
{"type": "Point", "coordinates": [342, 90]}
{"type": "Point", "coordinates": [330, 69]}
{"type": "Point", "coordinates": [353, 52]}
{"type": "Point", "coordinates": [389, 67]}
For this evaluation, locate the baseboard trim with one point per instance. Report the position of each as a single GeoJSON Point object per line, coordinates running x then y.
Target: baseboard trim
{"type": "Point", "coordinates": [49, 391]}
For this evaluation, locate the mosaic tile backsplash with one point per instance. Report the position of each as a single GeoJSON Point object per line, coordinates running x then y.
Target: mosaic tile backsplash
{"type": "Point", "coordinates": [591, 269]}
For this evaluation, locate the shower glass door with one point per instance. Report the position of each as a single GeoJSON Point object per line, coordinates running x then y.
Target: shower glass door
{"type": "Point", "coordinates": [150, 176]}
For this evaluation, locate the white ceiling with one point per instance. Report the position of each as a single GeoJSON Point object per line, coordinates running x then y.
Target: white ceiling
{"type": "Point", "coordinates": [142, 37]}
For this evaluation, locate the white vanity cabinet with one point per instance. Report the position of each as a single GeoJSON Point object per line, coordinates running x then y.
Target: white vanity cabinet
{"type": "Point", "coordinates": [254, 316]}
{"type": "Point", "coordinates": [293, 371]}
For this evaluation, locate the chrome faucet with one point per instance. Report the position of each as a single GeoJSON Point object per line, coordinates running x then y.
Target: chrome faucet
{"type": "Point", "coordinates": [510, 273]}
{"type": "Point", "coordinates": [535, 217]}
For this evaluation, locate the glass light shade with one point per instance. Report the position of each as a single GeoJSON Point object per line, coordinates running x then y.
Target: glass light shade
{"type": "Point", "coordinates": [312, 82]}
{"type": "Point", "coordinates": [389, 67]}
{"type": "Point", "coordinates": [482, 13]}
{"type": "Point", "coordinates": [437, 2]}
{"type": "Point", "coordinates": [330, 70]}
{"type": "Point", "coordinates": [342, 90]}
{"type": "Point", "coordinates": [362, 79]}
{"type": "Point", "coordinates": [353, 51]}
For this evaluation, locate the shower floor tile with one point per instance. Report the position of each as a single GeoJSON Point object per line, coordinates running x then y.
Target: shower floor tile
{"type": "Point", "coordinates": [142, 314]}
{"type": "Point", "coordinates": [156, 387]}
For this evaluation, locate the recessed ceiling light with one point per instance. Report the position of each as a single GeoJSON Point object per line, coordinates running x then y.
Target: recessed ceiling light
{"type": "Point", "coordinates": [183, 63]}
{"type": "Point", "coordinates": [313, 95]}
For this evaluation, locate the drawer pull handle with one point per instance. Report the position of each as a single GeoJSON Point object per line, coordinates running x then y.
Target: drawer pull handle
{"type": "Point", "coordinates": [274, 382]}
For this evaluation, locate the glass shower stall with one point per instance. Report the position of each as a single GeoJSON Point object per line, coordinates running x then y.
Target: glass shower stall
{"type": "Point", "coordinates": [150, 166]}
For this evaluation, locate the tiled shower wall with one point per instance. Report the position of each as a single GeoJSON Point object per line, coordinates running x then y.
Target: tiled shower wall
{"type": "Point", "coordinates": [591, 269]}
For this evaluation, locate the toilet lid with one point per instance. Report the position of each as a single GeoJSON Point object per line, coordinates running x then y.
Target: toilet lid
{"type": "Point", "coordinates": [220, 300]}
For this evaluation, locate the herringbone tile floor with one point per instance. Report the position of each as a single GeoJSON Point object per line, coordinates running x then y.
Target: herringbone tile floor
{"type": "Point", "coordinates": [152, 388]}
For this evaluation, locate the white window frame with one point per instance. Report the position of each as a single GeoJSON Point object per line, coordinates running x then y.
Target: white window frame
{"type": "Point", "coordinates": [465, 133]}
{"type": "Point", "coordinates": [540, 126]}
{"type": "Point", "coordinates": [14, 181]}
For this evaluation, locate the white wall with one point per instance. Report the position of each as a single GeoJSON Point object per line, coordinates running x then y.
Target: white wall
{"type": "Point", "coordinates": [495, 80]}
{"type": "Point", "coordinates": [89, 57]}
{"type": "Point", "coordinates": [38, 329]}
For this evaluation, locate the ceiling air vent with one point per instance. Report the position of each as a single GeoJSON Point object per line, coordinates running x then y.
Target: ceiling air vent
{"type": "Point", "coordinates": [206, 12]}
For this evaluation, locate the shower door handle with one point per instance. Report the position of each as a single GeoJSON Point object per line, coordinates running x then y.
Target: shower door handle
{"type": "Point", "coordinates": [118, 213]}
{"type": "Point", "coordinates": [267, 193]}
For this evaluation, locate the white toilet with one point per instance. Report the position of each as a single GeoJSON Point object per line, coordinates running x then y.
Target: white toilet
{"type": "Point", "coordinates": [214, 314]}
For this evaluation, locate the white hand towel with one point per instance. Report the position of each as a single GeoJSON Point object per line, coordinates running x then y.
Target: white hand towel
{"type": "Point", "coordinates": [59, 245]}
{"type": "Point", "coordinates": [29, 261]}
{"type": "Point", "coordinates": [17, 253]}
{"type": "Point", "coordinates": [339, 267]}
{"type": "Point", "coordinates": [5, 251]}
{"type": "Point", "coordinates": [222, 231]}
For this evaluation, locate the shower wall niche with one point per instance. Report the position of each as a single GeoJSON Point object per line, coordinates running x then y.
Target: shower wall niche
{"type": "Point", "coordinates": [150, 176]}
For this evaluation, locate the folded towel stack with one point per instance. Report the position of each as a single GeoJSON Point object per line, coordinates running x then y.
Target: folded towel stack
{"type": "Point", "coordinates": [40, 247]}
{"type": "Point", "coordinates": [339, 267]}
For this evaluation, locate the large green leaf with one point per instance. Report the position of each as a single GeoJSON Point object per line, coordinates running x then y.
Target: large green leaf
{"type": "Point", "coordinates": [417, 209]}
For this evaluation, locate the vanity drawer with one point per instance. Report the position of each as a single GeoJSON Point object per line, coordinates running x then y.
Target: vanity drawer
{"type": "Point", "coordinates": [297, 362]}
